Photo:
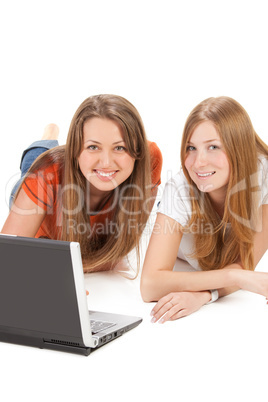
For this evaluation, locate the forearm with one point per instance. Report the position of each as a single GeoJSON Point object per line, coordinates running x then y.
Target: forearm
{"type": "Point", "coordinates": [160, 283]}
{"type": "Point", "coordinates": [206, 295]}
{"type": "Point", "coordinates": [227, 290]}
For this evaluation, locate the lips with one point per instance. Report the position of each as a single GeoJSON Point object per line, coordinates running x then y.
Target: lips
{"type": "Point", "coordinates": [204, 175]}
{"type": "Point", "coordinates": [105, 175]}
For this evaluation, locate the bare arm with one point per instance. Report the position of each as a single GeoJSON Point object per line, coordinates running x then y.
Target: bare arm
{"type": "Point", "coordinates": [158, 278]}
{"type": "Point", "coordinates": [25, 217]}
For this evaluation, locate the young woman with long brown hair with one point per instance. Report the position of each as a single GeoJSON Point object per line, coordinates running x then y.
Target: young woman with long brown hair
{"type": "Point", "coordinates": [98, 189]}
{"type": "Point", "coordinates": [213, 214]}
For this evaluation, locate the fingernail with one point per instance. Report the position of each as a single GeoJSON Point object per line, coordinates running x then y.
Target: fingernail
{"type": "Point", "coordinates": [152, 313]}
{"type": "Point", "coordinates": [161, 321]}
{"type": "Point", "coordinates": [153, 320]}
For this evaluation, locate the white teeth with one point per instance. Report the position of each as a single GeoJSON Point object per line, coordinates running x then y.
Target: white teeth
{"type": "Point", "coordinates": [205, 174]}
{"type": "Point", "coordinates": [105, 174]}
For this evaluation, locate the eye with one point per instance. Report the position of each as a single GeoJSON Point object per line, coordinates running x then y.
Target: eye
{"type": "Point", "coordinates": [213, 147]}
{"type": "Point", "coordinates": [92, 147]}
{"type": "Point", "coordinates": [190, 148]}
{"type": "Point", "coordinates": [120, 148]}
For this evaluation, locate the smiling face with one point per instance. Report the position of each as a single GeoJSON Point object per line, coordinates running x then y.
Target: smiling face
{"type": "Point", "coordinates": [206, 161]}
{"type": "Point", "coordinates": [104, 159]}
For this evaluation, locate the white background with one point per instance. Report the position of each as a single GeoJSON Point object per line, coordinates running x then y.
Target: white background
{"type": "Point", "coordinates": [163, 56]}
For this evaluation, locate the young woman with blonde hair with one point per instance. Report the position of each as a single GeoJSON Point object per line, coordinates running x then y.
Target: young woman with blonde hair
{"type": "Point", "coordinates": [213, 214]}
{"type": "Point", "coordinates": [98, 189]}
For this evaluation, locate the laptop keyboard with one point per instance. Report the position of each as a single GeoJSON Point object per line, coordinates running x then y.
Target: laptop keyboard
{"type": "Point", "coordinates": [98, 326]}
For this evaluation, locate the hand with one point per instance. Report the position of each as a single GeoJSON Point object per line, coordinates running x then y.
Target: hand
{"type": "Point", "coordinates": [178, 305]}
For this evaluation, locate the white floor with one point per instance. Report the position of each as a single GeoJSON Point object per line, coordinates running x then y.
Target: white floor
{"type": "Point", "coordinates": [219, 351]}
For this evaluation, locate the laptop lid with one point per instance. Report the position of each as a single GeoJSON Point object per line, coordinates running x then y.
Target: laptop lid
{"type": "Point", "coordinates": [43, 298]}
{"type": "Point", "coordinates": [42, 294]}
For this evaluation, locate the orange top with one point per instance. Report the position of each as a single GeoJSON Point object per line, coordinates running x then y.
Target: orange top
{"type": "Point", "coordinates": [44, 186]}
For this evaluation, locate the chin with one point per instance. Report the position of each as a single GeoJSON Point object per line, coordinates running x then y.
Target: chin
{"type": "Point", "coordinates": [205, 188]}
{"type": "Point", "coordinates": [108, 186]}
{"type": "Point", "coordinates": [105, 187]}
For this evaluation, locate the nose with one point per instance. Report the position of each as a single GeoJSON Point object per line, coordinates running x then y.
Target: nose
{"type": "Point", "coordinates": [200, 159]}
{"type": "Point", "coordinates": [106, 159]}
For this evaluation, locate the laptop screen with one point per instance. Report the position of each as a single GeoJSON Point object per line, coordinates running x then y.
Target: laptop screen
{"type": "Point", "coordinates": [37, 291]}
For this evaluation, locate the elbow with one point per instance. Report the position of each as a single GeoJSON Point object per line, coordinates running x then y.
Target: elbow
{"type": "Point", "coordinates": [146, 289]}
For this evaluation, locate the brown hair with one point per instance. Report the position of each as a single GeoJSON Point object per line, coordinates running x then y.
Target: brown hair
{"type": "Point", "coordinates": [242, 146]}
{"type": "Point", "coordinates": [99, 250]}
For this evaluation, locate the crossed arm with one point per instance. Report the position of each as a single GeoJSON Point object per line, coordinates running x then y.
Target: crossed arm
{"type": "Point", "coordinates": [181, 293]}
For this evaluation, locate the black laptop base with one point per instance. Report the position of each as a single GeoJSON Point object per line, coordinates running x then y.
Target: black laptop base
{"type": "Point", "coordinates": [61, 346]}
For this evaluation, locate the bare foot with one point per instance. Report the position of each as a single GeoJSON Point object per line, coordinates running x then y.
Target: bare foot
{"type": "Point", "coordinates": [51, 132]}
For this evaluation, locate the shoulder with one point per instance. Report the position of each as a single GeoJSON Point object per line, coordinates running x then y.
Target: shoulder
{"type": "Point", "coordinates": [178, 188]}
{"type": "Point", "coordinates": [42, 184]}
{"type": "Point", "coordinates": [263, 178]}
{"type": "Point", "coordinates": [263, 169]}
{"type": "Point", "coordinates": [263, 163]}
{"type": "Point", "coordinates": [179, 183]}
{"type": "Point", "coordinates": [49, 173]}
{"type": "Point", "coordinates": [156, 161]}
{"type": "Point", "coordinates": [49, 165]}
{"type": "Point", "coordinates": [154, 149]}
{"type": "Point", "coordinates": [176, 201]}
{"type": "Point", "coordinates": [155, 154]}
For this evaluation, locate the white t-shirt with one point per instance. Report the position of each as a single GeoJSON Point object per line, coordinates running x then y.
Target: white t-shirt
{"type": "Point", "coordinates": [176, 203]}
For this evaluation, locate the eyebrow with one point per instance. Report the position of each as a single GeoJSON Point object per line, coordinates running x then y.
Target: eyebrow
{"type": "Point", "coordinates": [97, 142]}
{"type": "Point", "coordinates": [189, 142]}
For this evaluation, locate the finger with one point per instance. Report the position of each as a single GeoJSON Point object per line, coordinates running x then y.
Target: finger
{"type": "Point", "coordinates": [162, 311]}
{"type": "Point", "coordinates": [176, 310]}
{"type": "Point", "coordinates": [182, 313]}
{"type": "Point", "coordinates": [160, 304]}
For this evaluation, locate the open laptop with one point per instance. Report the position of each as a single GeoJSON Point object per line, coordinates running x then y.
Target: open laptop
{"type": "Point", "coordinates": [43, 299]}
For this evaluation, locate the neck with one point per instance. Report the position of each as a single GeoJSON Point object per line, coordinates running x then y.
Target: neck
{"type": "Point", "coordinates": [218, 202]}
{"type": "Point", "coordinates": [97, 199]}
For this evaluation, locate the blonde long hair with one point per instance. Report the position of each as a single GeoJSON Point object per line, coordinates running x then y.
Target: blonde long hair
{"type": "Point", "coordinates": [220, 247]}
{"type": "Point", "coordinates": [99, 250]}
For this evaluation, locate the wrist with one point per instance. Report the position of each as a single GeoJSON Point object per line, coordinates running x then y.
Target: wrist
{"type": "Point", "coordinates": [214, 295]}
{"type": "Point", "coordinates": [206, 296]}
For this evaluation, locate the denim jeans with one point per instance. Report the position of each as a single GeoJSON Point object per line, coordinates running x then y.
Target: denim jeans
{"type": "Point", "coordinates": [28, 157]}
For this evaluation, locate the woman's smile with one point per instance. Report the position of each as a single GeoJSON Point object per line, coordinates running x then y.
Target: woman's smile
{"type": "Point", "coordinates": [204, 176]}
{"type": "Point", "coordinates": [105, 175]}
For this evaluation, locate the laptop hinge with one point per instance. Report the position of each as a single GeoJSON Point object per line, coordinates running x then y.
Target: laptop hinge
{"type": "Point", "coordinates": [96, 341]}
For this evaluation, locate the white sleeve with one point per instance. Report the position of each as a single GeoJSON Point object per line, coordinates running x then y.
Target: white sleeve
{"type": "Point", "coordinates": [176, 202]}
{"type": "Point", "coordinates": [264, 180]}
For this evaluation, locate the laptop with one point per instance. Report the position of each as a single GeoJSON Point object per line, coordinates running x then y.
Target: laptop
{"type": "Point", "coordinates": [43, 300]}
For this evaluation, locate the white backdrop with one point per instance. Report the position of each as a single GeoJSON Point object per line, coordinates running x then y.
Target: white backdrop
{"type": "Point", "coordinates": [165, 57]}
